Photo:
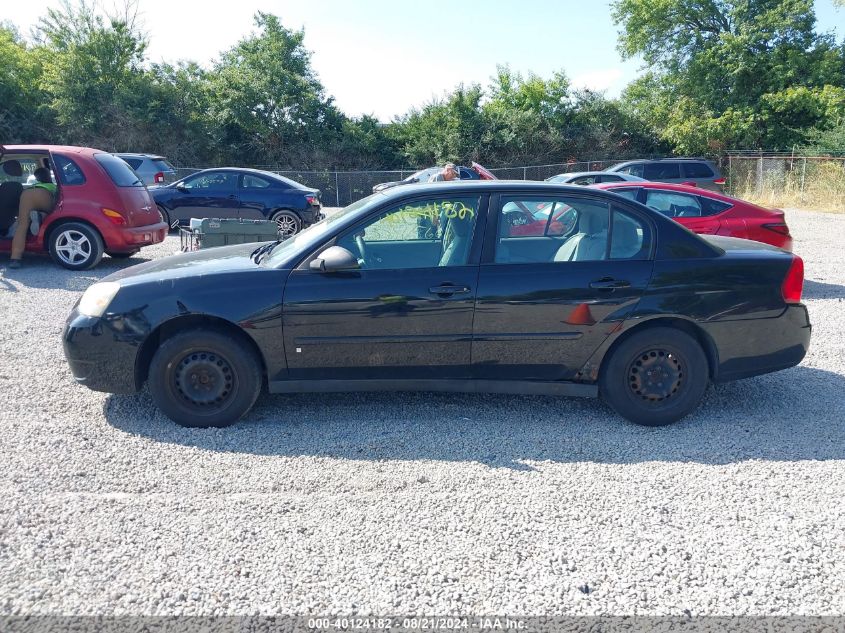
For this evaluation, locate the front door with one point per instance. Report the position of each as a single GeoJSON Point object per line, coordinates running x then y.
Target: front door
{"type": "Point", "coordinates": [209, 194]}
{"type": "Point", "coordinates": [552, 290]}
{"type": "Point", "coordinates": [406, 313]}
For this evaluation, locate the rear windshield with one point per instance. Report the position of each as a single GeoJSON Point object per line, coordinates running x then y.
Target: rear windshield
{"type": "Point", "coordinates": [162, 165]}
{"type": "Point", "coordinates": [120, 173]}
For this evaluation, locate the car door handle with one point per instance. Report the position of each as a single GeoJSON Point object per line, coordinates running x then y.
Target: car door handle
{"type": "Point", "coordinates": [448, 289]}
{"type": "Point", "coordinates": [233, 197]}
{"type": "Point", "coordinates": [608, 283]}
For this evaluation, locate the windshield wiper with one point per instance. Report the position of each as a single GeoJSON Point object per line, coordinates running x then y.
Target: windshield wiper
{"type": "Point", "coordinates": [259, 252]}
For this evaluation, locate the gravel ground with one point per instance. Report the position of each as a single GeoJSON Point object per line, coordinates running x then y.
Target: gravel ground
{"type": "Point", "coordinates": [403, 504]}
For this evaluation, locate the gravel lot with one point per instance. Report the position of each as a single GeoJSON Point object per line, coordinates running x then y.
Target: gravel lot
{"type": "Point", "coordinates": [403, 504]}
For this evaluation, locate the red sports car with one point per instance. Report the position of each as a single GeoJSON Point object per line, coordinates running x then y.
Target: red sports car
{"type": "Point", "coordinates": [708, 212]}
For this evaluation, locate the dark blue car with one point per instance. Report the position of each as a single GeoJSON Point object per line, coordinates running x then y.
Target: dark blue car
{"type": "Point", "coordinates": [239, 193]}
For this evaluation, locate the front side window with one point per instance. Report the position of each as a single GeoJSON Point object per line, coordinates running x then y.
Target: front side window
{"type": "Point", "coordinates": [420, 234]}
{"type": "Point", "coordinates": [661, 171]}
{"type": "Point", "coordinates": [585, 180]}
{"type": "Point", "coordinates": [673, 204]}
{"type": "Point", "coordinates": [69, 171]}
{"type": "Point", "coordinates": [211, 181]}
{"type": "Point", "coordinates": [633, 170]}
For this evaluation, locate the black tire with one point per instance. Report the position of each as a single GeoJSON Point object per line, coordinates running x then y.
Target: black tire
{"type": "Point", "coordinates": [165, 217]}
{"type": "Point", "coordinates": [675, 386]}
{"type": "Point", "coordinates": [114, 255]}
{"type": "Point", "coordinates": [287, 223]}
{"type": "Point", "coordinates": [75, 246]}
{"type": "Point", "coordinates": [204, 378]}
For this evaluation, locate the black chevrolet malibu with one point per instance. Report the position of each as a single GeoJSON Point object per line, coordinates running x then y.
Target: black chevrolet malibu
{"type": "Point", "coordinates": [507, 287]}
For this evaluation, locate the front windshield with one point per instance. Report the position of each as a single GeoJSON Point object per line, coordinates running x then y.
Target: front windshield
{"type": "Point", "coordinates": [314, 234]}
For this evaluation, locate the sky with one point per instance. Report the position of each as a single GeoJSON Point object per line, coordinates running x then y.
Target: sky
{"type": "Point", "coordinates": [382, 57]}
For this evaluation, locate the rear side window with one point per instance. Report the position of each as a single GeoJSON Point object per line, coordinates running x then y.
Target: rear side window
{"type": "Point", "coordinates": [119, 172]}
{"type": "Point", "coordinates": [697, 170]}
{"type": "Point", "coordinates": [662, 171]}
{"type": "Point", "coordinates": [610, 178]}
{"type": "Point", "coordinates": [712, 207]}
{"type": "Point", "coordinates": [69, 171]}
{"type": "Point", "coordinates": [162, 165]}
{"type": "Point", "coordinates": [249, 181]}
{"type": "Point", "coordinates": [134, 163]}
{"type": "Point", "coordinates": [631, 193]}
{"type": "Point", "coordinates": [673, 204]}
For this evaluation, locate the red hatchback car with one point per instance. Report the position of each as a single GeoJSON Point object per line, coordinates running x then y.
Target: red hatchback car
{"type": "Point", "coordinates": [708, 212]}
{"type": "Point", "coordinates": [101, 206]}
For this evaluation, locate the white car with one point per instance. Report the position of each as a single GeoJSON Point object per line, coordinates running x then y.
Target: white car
{"type": "Point", "coordinates": [592, 177]}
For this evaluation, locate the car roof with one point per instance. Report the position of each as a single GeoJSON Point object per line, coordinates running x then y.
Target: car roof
{"type": "Point", "coordinates": [137, 155]}
{"type": "Point", "coordinates": [71, 149]}
{"type": "Point", "coordinates": [651, 184]}
{"type": "Point", "coordinates": [681, 159]}
{"type": "Point", "coordinates": [483, 186]}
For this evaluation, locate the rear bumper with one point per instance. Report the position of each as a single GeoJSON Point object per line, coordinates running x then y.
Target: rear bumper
{"type": "Point", "coordinates": [133, 238]}
{"type": "Point", "coordinates": [760, 346]}
{"type": "Point", "coordinates": [312, 214]}
{"type": "Point", "coordinates": [97, 356]}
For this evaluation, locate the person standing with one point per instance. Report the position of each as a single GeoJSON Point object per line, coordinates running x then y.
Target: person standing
{"type": "Point", "coordinates": [39, 198]}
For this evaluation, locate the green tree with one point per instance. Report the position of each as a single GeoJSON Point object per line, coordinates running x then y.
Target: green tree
{"type": "Point", "coordinates": [268, 105]}
{"type": "Point", "coordinates": [23, 116]}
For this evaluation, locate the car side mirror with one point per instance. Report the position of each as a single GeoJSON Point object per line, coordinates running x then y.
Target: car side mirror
{"type": "Point", "coordinates": [334, 259]}
{"type": "Point", "coordinates": [181, 189]}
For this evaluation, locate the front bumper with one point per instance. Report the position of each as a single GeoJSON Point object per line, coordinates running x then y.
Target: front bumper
{"type": "Point", "coordinates": [101, 353]}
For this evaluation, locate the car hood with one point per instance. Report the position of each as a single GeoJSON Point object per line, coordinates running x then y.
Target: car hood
{"type": "Point", "coordinates": [211, 261]}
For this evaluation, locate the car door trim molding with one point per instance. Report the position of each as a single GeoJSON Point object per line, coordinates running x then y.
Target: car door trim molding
{"type": "Point", "coordinates": [520, 387]}
{"type": "Point", "coordinates": [358, 340]}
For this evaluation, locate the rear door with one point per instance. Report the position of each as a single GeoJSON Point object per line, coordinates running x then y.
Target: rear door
{"type": "Point", "coordinates": [543, 308]}
{"type": "Point", "coordinates": [407, 312]}
{"type": "Point", "coordinates": [208, 194]}
{"type": "Point", "coordinates": [701, 174]}
{"type": "Point", "coordinates": [663, 171]}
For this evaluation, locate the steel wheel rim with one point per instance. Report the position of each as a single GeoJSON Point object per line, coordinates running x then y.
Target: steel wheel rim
{"type": "Point", "coordinates": [204, 381]}
{"type": "Point", "coordinates": [286, 225]}
{"type": "Point", "coordinates": [655, 375]}
{"type": "Point", "coordinates": [73, 247]}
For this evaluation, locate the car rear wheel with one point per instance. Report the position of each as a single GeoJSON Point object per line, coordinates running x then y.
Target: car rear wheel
{"type": "Point", "coordinates": [287, 223]}
{"type": "Point", "coordinates": [655, 377]}
{"type": "Point", "coordinates": [204, 378]}
{"type": "Point", "coordinates": [165, 217]}
{"type": "Point", "coordinates": [76, 246]}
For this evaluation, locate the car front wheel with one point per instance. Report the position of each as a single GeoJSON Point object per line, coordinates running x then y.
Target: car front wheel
{"type": "Point", "coordinates": [204, 378]}
{"type": "Point", "coordinates": [76, 246]}
{"type": "Point", "coordinates": [287, 223]}
{"type": "Point", "coordinates": [655, 377]}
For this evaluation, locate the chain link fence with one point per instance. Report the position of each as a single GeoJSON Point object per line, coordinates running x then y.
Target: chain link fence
{"type": "Point", "coordinates": [788, 181]}
{"type": "Point", "coordinates": [340, 188]}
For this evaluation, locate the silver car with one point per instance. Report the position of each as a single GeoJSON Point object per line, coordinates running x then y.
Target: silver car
{"type": "Point", "coordinates": [680, 171]}
{"type": "Point", "coordinates": [591, 178]}
{"type": "Point", "coordinates": [151, 168]}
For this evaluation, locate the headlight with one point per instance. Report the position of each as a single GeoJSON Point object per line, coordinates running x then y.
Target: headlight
{"type": "Point", "coordinates": [97, 298]}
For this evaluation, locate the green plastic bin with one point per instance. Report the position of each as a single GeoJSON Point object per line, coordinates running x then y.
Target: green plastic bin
{"type": "Point", "coordinates": [211, 232]}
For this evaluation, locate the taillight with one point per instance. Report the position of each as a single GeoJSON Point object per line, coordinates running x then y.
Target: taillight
{"type": "Point", "coordinates": [719, 181]}
{"type": "Point", "coordinates": [114, 217]}
{"type": "Point", "coordinates": [777, 227]}
{"type": "Point", "coordinates": [159, 177]}
{"type": "Point", "coordinates": [793, 284]}
{"type": "Point", "coordinates": [312, 200]}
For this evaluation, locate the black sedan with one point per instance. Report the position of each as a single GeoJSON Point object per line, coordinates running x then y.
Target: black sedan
{"type": "Point", "coordinates": [617, 301]}
{"type": "Point", "coordinates": [239, 193]}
